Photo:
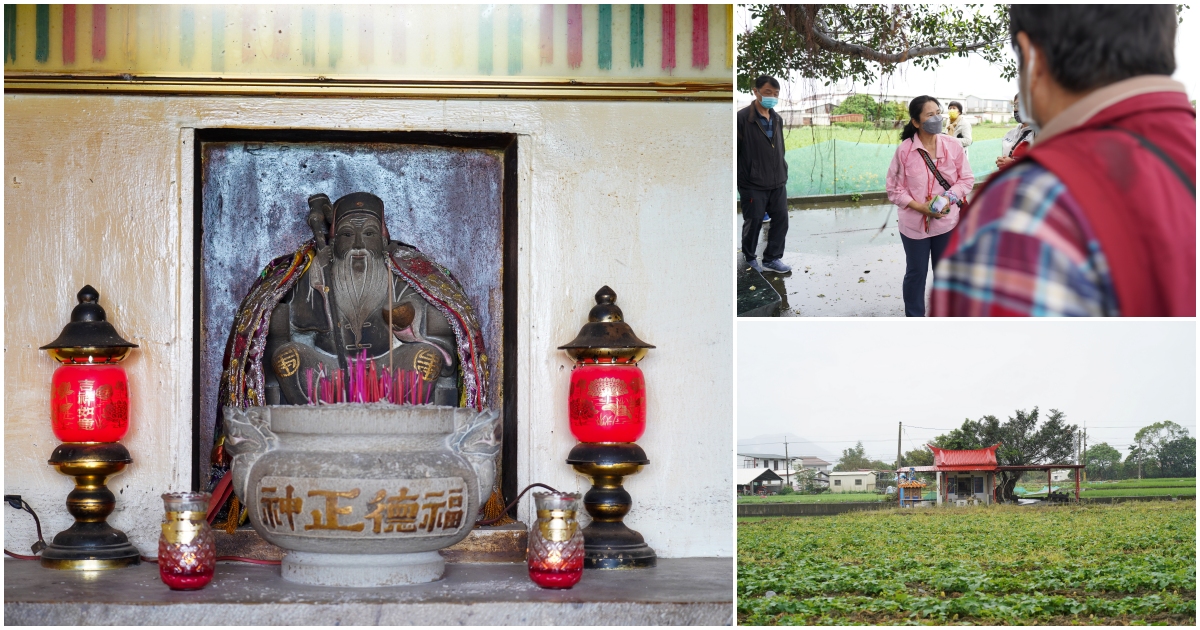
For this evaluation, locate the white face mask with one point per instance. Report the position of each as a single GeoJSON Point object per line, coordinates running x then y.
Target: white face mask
{"type": "Point", "coordinates": [1024, 98]}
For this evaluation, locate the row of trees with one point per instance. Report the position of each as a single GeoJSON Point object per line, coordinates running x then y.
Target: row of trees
{"type": "Point", "coordinates": [1163, 449]}
{"type": "Point", "coordinates": [872, 110]}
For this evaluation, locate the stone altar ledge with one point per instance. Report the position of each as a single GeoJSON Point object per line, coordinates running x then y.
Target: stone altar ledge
{"type": "Point", "coordinates": [679, 591]}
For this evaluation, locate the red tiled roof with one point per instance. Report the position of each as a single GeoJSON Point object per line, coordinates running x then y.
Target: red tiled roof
{"type": "Point", "coordinates": [977, 459]}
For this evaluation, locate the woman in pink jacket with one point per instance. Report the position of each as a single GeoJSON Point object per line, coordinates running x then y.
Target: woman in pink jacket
{"type": "Point", "coordinates": [913, 187]}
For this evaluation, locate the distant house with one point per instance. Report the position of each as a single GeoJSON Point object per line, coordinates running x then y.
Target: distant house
{"type": "Point", "coordinates": [767, 460]}
{"type": "Point", "coordinates": [816, 463]}
{"type": "Point", "coordinates": [754, 480]}
{"type": "Point", "coordinates": [852, 481]}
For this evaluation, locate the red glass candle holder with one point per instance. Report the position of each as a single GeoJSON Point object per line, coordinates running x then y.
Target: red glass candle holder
{"type": "Point", "coordinates": [556, 553]}
{"type": "Point", "coordinates": [89, 402]}
{"type": "Point", "coordinates": [607, 402]}
{"type": "Point", "coordinates": [187, 549]}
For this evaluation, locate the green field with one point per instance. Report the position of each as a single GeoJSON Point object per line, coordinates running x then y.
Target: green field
{"type": "Point", "coordinates": [1134, 492]}
{"type": "Point", "coordinates": [814, 498]}
{"type": "Point", "coordinates": [800, 137]}
{"type": "Point", "coordinates": [834, 159]}
{"type": "Point", "coordinates": [1091, 564]}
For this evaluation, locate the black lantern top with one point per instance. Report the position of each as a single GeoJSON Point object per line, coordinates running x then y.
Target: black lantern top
{"type": "Point", "coordinates": [606, 338]}
{"type": "Point", "coordinates": [89, 334]}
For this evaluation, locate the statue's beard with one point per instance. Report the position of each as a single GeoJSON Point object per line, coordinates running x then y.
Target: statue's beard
{"type": "Point", "coordinates": [360, 279]}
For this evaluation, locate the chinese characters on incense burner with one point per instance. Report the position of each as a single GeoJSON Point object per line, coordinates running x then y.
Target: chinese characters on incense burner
{"type": "Point", "coordinates": [352, 330]}
{"type": "Point", "coordinates": [362, 508]}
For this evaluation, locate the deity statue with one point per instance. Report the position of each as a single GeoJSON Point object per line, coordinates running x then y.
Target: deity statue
{"type": "Point", "coordinates": [353, 316]}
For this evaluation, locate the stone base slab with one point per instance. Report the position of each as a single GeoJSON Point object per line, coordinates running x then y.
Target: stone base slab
{"type": "Point", "coordinates": [679, 591]}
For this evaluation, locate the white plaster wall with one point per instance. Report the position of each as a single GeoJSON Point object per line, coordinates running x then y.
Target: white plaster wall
{"type": "Point", "coordinates": [97, 189]}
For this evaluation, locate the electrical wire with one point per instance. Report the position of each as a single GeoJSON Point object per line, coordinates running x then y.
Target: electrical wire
{"type": "Point", "coordinates": [514, 502]}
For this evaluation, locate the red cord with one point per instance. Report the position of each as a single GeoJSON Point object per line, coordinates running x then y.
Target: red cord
{"type": "Point", "coordinates": [19, 556]}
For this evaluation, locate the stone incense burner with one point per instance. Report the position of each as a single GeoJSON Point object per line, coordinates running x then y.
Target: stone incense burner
{"type": "Point", "coordinates": [363, 495]}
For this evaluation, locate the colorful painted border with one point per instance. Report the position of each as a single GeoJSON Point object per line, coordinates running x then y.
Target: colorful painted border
{"type": "Point", "coordinates": [541, 51]}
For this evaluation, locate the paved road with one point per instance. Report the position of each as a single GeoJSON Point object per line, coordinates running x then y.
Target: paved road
{"type": "Point", "coordinates": [838, 269]}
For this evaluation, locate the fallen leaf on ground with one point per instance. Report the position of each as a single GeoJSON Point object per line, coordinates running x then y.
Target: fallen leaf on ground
{"type": "Point", "coordinates": [861, 279]}
{"type": "Point", "coordinates": [752, 287]}
{"type": "Point", "coordinates": [820, 295]}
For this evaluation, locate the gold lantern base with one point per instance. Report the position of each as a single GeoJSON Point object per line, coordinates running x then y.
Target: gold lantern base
{"type": "Point", "coordinates": [91, 543]}
{"type": "Point", "coordinates": [608, 543]}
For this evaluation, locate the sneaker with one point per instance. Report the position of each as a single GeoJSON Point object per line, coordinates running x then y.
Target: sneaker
{"type": "Point", "coordinates": [766, 218]}
{"type": "Point", "coordinates": [776, 265]}
{"type": "Point", "coordinates": [755, 265]}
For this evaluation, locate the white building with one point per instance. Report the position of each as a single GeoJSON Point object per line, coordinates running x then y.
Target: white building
{"type": "Point", "coordinates": [852, 481]}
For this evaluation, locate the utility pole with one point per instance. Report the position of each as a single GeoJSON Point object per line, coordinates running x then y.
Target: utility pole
{"type": "Point", "coordinates": [787, 463]}
{"type": "Point", "coordinates": [899, 436]}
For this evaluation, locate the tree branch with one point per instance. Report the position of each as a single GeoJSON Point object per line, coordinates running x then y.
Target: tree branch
{"type": "Point", "coordinates": [803, 19]}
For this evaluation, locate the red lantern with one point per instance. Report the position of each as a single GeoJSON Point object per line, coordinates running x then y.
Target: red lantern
{"type": "Point", "coordinates": [89, 394]}
{"type": "Point", "coordinates": [607, 402]}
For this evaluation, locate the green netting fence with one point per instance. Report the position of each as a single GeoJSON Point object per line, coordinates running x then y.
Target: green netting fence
{"type": "Point", "coordinates": [838, 166]}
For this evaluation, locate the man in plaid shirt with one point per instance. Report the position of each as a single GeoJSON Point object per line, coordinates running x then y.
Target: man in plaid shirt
{"type": "Point", "coordinates": [1099, 217]}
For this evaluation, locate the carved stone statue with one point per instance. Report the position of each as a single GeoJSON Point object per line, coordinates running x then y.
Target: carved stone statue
{"type": "Point", "coordinates": [354, 316]}
{"type": "Point", "coordinates": [348, 306]}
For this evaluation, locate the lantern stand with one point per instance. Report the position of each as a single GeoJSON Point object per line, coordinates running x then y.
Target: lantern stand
{"type": "Point", "coordinates": [607, 409]}
{"type": "Point", "coordinates": [88, 348]}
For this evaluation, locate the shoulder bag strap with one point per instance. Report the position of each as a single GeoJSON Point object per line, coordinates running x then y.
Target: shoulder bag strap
{"type": "Point", "coordinates": [1161, 155]}
{"type": "Point", "coordinates": [933, 169]}
{"type": "Point", "coordinates": [1020, 139]}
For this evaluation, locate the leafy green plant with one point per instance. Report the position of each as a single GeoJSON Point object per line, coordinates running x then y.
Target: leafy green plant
{"type": "Point", "coordinates": [1090, 564]}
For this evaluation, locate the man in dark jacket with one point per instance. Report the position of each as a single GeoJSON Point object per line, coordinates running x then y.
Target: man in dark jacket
{"type": "Point", "coordinates": [762, 176]}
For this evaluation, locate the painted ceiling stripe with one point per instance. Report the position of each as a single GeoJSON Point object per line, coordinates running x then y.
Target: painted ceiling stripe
{"type": "Point", "coordinates": [218, 39]}
{"type": "Point", "coordinates": [515, 40]}
{"type": "Point", "coordinates": [729, 36]}
{"type": "Point", "coordinates": [335, 37]}
{"type": "Point", "coordinates": [637, 43]}
{"type": "Point", "coordinates": [99, 33]}
{"type": "Point", "coordinates": [187, 36]}
{"type": "Point", "coordinates": [68, 33]}
{"type": "Point", "coordinates": [604, 37]}
{"type": "Point", "coordinates": [42, 27]}
{"type": "Point", "coordinates": [546, 41]}
{"type": "Point", "coordinates": [668, 36]}
{"type": "Point", "coordinates": [699, 35]}
{"type": "Point", "coordinates": [308, 36]}
{"type": "Point", "coordinates": [485, 38]}
{"type": "Point", "coordinates": [574, 35]}
{"type": "Point", "coordinates": [10, 33]}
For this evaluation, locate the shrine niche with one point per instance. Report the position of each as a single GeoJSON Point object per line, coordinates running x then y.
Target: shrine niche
{"type": "Point", "coordinates": [316, 292]}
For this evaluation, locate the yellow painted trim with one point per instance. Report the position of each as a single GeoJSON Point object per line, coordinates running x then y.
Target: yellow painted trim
{"type": "Point", "coordinates": [227, 85]}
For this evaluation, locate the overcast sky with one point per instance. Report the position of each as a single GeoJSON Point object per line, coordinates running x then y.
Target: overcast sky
{"type": "Point", "coordinates": [835, 382]}
{"type": "Point", "coordinates": [972, 75]}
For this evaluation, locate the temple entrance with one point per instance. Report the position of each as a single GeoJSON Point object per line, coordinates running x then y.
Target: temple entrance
{"type": "Point", "coordinates": [450, 195]}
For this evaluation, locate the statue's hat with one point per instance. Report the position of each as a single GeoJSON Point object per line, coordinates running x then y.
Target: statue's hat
{"type": "Point", "coordinates": [355, 204]}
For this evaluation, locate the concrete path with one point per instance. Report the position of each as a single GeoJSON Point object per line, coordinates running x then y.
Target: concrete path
{"type": "Point", "coordinates": [838, 270]}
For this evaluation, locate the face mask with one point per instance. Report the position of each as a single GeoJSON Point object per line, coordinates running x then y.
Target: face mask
{"type": "Point", "coordinates": [769, 102]}
{"type": "Point", "coordinates": [1024, 99]}
{"type": "Point", "coordinates": [933, 125]}
{"type": "Point", "coordinates": [1017, 116]}
{"type": "Point", "coordinates": [953, 115]}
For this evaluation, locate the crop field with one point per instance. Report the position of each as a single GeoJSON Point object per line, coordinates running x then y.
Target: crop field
{"type": "Point", "coordinates": [1129, 563]}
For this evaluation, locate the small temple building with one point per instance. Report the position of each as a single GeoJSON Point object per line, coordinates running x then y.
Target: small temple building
{"type": "Point", "coordinates": [969, 476]}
